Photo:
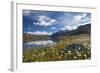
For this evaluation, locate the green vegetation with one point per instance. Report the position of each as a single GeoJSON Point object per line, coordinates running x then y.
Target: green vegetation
{"type": "Point", "coordinates": [57, 53]}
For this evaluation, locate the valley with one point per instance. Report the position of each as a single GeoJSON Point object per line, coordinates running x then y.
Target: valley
{"type": "Point", "coordinates": [70, 45]}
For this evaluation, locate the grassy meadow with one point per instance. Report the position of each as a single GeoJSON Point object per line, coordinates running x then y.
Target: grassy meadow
{"type": "Point", "coordinates": [60, 51]}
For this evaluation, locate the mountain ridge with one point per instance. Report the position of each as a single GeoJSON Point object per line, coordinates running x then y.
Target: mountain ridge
{"type": "Point", "coordinates": [82, 29]}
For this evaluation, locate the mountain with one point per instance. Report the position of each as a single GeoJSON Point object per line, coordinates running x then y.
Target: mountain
{"type": "Point", "coordinates": [82, 29]}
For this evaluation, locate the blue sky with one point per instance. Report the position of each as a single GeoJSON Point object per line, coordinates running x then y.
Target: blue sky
{"type": "Point", "coordinates": [48, 22]}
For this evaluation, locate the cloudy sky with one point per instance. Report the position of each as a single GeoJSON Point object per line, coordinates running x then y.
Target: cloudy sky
{"type": "Point", "coordinates": [48, 22]}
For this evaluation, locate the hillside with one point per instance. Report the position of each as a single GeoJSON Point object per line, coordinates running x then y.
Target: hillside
{"type": "Point", "coordinates": [83, 29]}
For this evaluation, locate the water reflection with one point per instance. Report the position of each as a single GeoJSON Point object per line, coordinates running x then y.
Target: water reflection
{"type": "Point", "coordinates": [41, 43]}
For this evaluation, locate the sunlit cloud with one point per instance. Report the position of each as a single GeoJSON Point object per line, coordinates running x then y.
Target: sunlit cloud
{"type": "Point", "coordinates": [73, 22]}
{"type": "Point", "coordinates": [69, 28]}
{"type": "Point", "coordinates": [79, 17]}
{"type": "Point", "coordinates": [44, 21]}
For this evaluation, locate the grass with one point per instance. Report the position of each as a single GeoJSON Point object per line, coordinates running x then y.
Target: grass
{"type": "Point", "coordinates": [56, 52]}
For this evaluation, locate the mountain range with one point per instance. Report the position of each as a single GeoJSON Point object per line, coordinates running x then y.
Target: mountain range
{"type": "Point", "coordinates": [82, 29]}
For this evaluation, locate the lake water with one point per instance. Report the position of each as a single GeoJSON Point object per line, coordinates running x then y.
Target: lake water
{"type": "Point", "coordinates": [36, 44]}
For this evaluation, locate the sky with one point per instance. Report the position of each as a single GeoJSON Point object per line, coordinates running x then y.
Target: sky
{"type": "Point", "coordinates": [39, 22]}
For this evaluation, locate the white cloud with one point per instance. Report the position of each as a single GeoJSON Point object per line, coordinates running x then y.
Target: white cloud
{"type": "Point", "coordinates": [73, 20]}
{"type": "Point", "coordinates": [69, 28]}
{"type": "Point", "coordinates": [39, 33]}
{"type": "Point", "coordinates": [84, 23]}
{"type": "Point", "coordinates": [53, 27]}
{"type": "Point", "coordinates": [45, 21]}
{"type": "Point", "coordinates": [77, 18]}
{"type": "Point", "coordinates": [63, 28]}
{"type": "Point", "coordinates": [84, 15]}
{"type": "Point", "coordinates": [26, 12]}
{"type": "Point", "coordinates": [80, 16]}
